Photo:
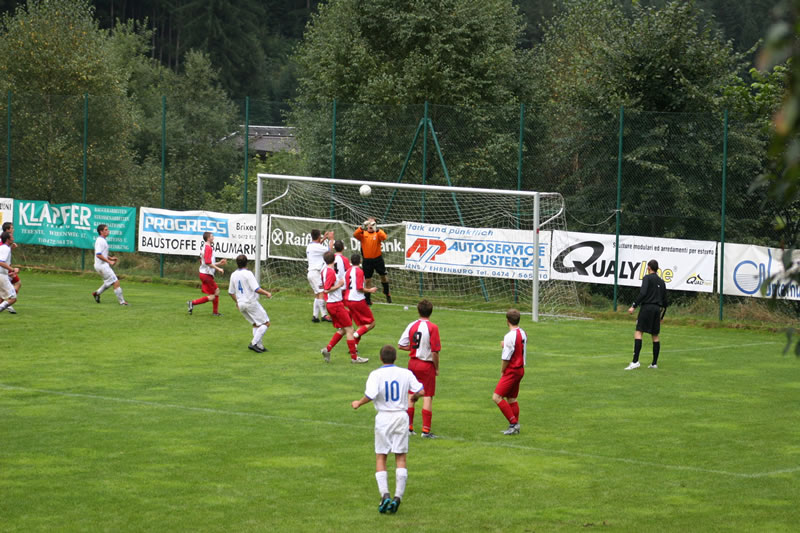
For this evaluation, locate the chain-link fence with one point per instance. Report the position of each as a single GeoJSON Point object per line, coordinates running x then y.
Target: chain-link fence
{"type": "Point", "coordinates": [666, 174]}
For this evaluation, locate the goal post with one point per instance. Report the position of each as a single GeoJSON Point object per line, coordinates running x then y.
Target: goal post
{"type": "Point", "coordinates": [469, 247]}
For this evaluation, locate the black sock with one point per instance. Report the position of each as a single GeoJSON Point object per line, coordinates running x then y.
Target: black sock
{"type": "Point", "coordinates": [368, 298]}
{"type": "Point", "coordinates": [637, 347]}
{"type": "Point", "coordinates": [656, 351]}
{"type": "Point", "coordinates": [385, 287]}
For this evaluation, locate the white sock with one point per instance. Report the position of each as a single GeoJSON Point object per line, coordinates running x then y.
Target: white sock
{"type": "Point", "coordinates": [118, 292]}
{"type": "Point", "coordinates": [102, 289]}
{"type": "Point", "coordinates": [401, 476]}
{"type": "Point", "coordinates": [258, 334]}
{"type": "Point", "coordinates": [4, 305]}
{"type": "Point", "coordinates": [319, 308]}
{"type": "Point", "coordinates": [356, 335]}
{"type": "Point", "coordinates": [383, 482]}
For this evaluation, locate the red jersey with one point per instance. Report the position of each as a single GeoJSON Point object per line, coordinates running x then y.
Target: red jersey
{"type": "Point", "coordinates": [354, 284]}
{"type": "Point", "coordinates": [423, 337]}
{"type": "Point", "coordinates": [328, 281]}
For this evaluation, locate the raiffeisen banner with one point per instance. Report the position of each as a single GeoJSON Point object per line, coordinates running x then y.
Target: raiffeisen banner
{"type": "Point", "coordinates": [484, 252]}
{"type": "Point", "coordinates": [73, 225]}
{"type": "Point", "coordinates": [589, 258]}
{"type": "Point", "coordinates": [181, 232]}
{"type": "Point", "coordinates": [750, 269]}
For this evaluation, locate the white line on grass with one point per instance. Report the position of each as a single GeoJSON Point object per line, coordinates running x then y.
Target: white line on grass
{"type": "Point", "coordinates": [359, 426]}
{"type": "Point", "coordinates": [679, 350]}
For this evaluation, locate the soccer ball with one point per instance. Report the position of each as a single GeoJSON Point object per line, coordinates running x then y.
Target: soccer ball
{"type": "Point", "coordinates": [365, 190]}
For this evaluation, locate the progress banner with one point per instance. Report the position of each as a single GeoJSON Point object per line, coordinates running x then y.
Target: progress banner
{"type": "Point", "coordinates": [589, 258]}
{"type": "Point", "coordinates": [162, 231]}
{"type": "Point", "coordinates": [483, 252]}
{"type": "Point", "coordinates": [749, 271]}
{"type": "Point", "coordinates": [73, 225]}
{"type": "Point", "coordinates": [289, 236]}
{"type": "Point", "coordinates": [6, 210]}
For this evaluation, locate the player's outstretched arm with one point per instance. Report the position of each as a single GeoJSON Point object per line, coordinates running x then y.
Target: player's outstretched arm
{"type": "Point", "coordinates": [263, 292]}
{"type": "Point", "coordinates": [358, 403]}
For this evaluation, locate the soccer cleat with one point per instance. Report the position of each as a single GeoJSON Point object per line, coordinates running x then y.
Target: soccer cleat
{"type": "Point", "coordinates": [394, 506]}
{"type": "Point", "coordinates": [123, 302]}
{"type": "Point", "coordinates": [652, 365]}
{"type": "Point", "coordinates": [327, 318]}
{"type": "Point", "coordinates": [633, 366]}
{"type": "Point", "coordinates": [314, 319]}
{"type": "Point", "coordinates": [326, 355]}
{"type": "Point", "coordinates": [513, 429]}
{"type": "Point", "coordinates": [411, 431]}
{"type": "Point", "coordinates": [385, 503]}
{"type": "Point", "coordinates": [190, 306]}
{"type": "Point", "coordinates": [255, 348]}
{"type": "Point", "coordinates": [216, 314]}
{"type": "Point", "coordinates": [263, 348]}
{"type": "Point", "coordinates": [359, 360]}
{"type": "Point", "coordinates": [11, 310]}
{"type": "Point", "coordinates": [429, 435]}
{"type": "Point", "coordinates": [96, 297]}
{"type": "Point", "coordinates": [388, 298]}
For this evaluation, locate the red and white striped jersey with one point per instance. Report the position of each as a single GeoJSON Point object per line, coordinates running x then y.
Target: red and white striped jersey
{"type": "Point", "coordinates": [328, 281]}
{"type": "Point", "coordinates": [423, 337]}
{"type": "Point", "coordinates": [354, 284]}
{"type": "Point", "coordinates": [514, 348]}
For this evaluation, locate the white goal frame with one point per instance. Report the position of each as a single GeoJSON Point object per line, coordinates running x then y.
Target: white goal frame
{"type": "Point", "coordinates": [534, 196]}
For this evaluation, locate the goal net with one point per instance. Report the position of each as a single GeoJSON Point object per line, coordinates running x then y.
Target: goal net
{"type": "Point", "coordinates": [459, 247]}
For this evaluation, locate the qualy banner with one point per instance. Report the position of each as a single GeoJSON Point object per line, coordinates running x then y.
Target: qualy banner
{"type": "Point", "coordinates": [589, 258]}
{"type": "Point", "coordinates": [6, 210]}
{"type": "Point", "coordinates": [289, 236]}
{"type": "Point", "coordinates": [162, 231]}
{"type": "Point", "coordinates": [73, 225]}
{"type": "Point", "coordinates": [484, 252]}
{"type": "Point", "coordinates": [749, 267]}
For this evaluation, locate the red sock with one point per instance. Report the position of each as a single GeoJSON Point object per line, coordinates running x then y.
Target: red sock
{"type": "Point", "coordinates": [426, 420]}
{"type": "Point", "coordinates": [216, 304]}
{"type": "Point", "coordinates": [507, 412]}
{"type": "Point", "coordinates": [411, 419]}
{"type": "Point", "coordinates": [199, 301]}
{"type": "Point", "coordinates": [334, 341]}
{"type": "Point", "coordinates": [351, 344]}
{"type": "Point", "coordinates": [515, 409]}
{"type": "Point", "coordinates": [361, 331]}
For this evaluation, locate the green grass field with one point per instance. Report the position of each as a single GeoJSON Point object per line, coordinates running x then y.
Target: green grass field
{"type": "Point", "coordinates": [147, 419]}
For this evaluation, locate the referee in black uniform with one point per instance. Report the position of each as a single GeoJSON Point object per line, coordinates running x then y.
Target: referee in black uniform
{"type": "Point", "coordinates": [653, 301]}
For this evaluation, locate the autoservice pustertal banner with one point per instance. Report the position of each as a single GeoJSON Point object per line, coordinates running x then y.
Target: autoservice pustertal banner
{"type": "Point", "coordinates": [589, 257]}
{"type": "Point", "coordinates": [750, 268]}
{"type": "Point", "coordinates": [484, 252]}
{"type": "Point", "coordinates": [6, 210]}
{"type": "Point", "coordinates": [289, 236]}
{"type": "Point", "coordinates": [162, 231]}
{"type": "Point", "coordinates": [73, 225]}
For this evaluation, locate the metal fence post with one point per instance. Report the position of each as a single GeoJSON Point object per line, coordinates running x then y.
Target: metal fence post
{"type": "Point", "coordinates": [724, 200]}
{"type": "Point", "coordinates": [619, 202]}
{"type": "Point", "coordinates": [163, 166]}
{"type": "Point", "coordinates": [246, 146]}
{"type": "Point", "coordinates": [85, 148]}
{"type": "Point", "coordinates": [333, 153]}
{"type": "Point", "coordinates": [8, 148]}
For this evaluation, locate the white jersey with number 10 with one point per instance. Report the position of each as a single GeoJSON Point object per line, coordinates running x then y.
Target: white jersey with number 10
{"type": "Point", "coordinates": [388, 387]}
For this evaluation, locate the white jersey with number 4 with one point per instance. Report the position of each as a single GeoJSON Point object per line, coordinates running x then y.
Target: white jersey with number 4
{"type": "Point", "coordinates": [388, 387]}
{"type": "Point", "coordinates": [244, 285]}
{"type": "Point", "coordinates": [314, 253]}
{"type": "Point", "coordinates": [100, 248]}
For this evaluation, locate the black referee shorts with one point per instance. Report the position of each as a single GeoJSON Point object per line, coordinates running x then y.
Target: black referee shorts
{"type": "Point", "coordinates": [374, 265]}
{"type": "Point", "coordinates": [649, 320]}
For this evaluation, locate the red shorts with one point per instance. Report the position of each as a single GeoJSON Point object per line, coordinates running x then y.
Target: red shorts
{"type": "Point", "coordinates": [508, 386]}
{"type": "Point", "coordinates": [14, 279]}
{"type": "Point", "coordinates": [360, 311]}
{"type": "Point", "coordinates": [339, 314]}
{"type": "Point", "coordinates": [209, 284]}
{"type": "Point", "coordinates": [425, 372]}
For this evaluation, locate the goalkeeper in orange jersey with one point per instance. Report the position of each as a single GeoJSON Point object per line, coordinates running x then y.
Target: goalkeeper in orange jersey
{"type": "Point", "coordinates": [371, 239]}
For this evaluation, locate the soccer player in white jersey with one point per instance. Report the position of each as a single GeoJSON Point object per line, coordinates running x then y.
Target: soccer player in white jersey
{"type": "Point", "coordinates": [244, 290]}
{"type": "Point", "coordinates": [334, 301]}
{"type": "Point", "coordinates": [209, 266]}
{"type": "Point", "coordinates": [355, 298]}
{"type": "Point", "coordinates": [103, 263]}
{"type": "Point", "coordinates": [314, 252]}
{"type": "Point", "coordinates": [390, 387]}
{"type": "Point", "coordinates": [9, 227]}
{"type": "Point", "coordinates": [7, 291]}
{"type": "Point", "coordinates": [513, 369]}
{"type": "Point", "coordinates": [421, 339]}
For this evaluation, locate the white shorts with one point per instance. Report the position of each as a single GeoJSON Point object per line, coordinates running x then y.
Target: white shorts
{"type": "Point", "coordinates": [254, 313]}
{"type": "Point", "coordinates": [391, 432]}
{"type": "Point", "coordinates": [6, 288]}
{"type": "Point", "coordinates": [315, 280]}
{"type": "Point", "coordinates": [107, 274]}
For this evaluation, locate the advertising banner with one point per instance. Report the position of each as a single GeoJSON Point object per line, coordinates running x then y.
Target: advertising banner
{"type": "Point", "coordinates": [289, 236]}
{"type": "Point", "coordinates": [484, 252]}
{"type": "Point", "coordinates": [589, 258]}
{"type": "Point", "coordinates": [73, 225]}
{"type": "Point", "coordinates": [750, 268]}
{"type": "Point", "coordinates": [6, 210]}
{"type": "Point", "coordinates": [162, 231]}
